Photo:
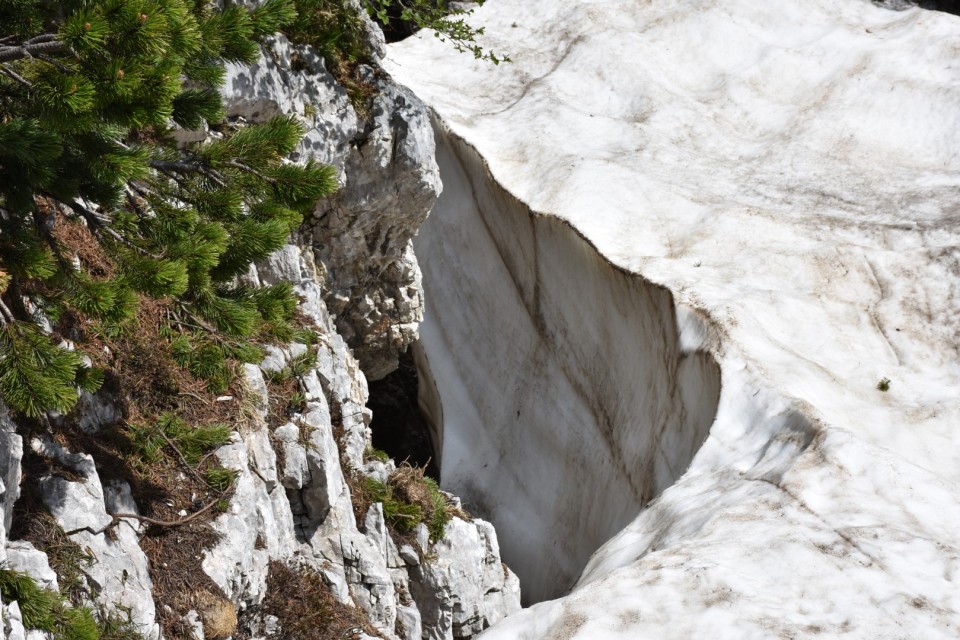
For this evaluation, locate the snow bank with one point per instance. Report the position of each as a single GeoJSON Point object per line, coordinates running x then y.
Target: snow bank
{"type": "Point", "coordinates": [788, 173]}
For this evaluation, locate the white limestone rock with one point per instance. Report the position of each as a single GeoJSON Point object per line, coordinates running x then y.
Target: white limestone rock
{"type": "Point", "coordinates": [257, 526]}
{"type": "Point", "coordinates": [118, 575]}
{"type": "Point", "coordinates": [272, 86]}
{"type": "Point", "coordinates": [12, 622]}
{"type": "Point", "coordinates": [779, 180]}
{"type": "Point", "coordinates": [256, 387]}
{"type": "Point", "coordinates": [462, 587]}
{"type": "Point", "coordinates": [23, 556]}
{"type": "Point", "coordinates": [362, 234]}
{"type": "Point", "coordinates": [75, 505]}
{"type": "Point", "coordinates": [11, 453]}
{"type": "Point", "coordinates": [389, 178]}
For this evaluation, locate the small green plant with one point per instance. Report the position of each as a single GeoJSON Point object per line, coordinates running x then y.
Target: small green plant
{"type": "Point", "coordinates": [399, 515]}
{"type": "Point", "coordinates": [192, 442]}
{"type": "Point", "coordinates": [46, 610]}
{"type": "Point", "coordinates": [883, 384]}
{"type": "Point", "coordinates": [219, 478]}
{"type": "Point", "coordinates": [297, 403]}
{"type": "Point", "coordinates": [302, 363]}
{"type": "Point", "coordinates": [371, 453]}
{"type": "Point", "coordinates": [440, 516]}
{"type": "Point", "coordinates": [409, 498]}
{"type": "Point", "coordinates": [117, 626]}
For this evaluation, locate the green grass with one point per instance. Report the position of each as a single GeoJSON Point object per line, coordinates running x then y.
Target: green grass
{"type": "Point", "coordinates": [219, 478]}
{"type": "Point", "coordinates": [408, 499]}
{"type": "Point", "coordinates": [47, 610]}
{"type": "Point", "coordinates": [437, 524]}
{"type": "Point", "coordinates": [193, 442]}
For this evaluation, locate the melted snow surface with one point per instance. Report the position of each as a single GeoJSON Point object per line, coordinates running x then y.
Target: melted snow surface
{"type": "Point", "coordinates": [790, 170]}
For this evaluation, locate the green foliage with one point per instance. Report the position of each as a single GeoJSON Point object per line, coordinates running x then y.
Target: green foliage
{"type": "Point", "coordinates": [447, 22]}
{"type": "Point", "coordinates": [440, 514]}
{"type": "Point", "coordinates": [192, 441]}
{"type": "Point", "coordinates": [408, 499]}
{"type": "Point", "coordinates": [46, 610]}
{"type": "Point", "coordinates": [337, 30]}
{"type": "Point", "coordinates": [302, 363]}
{"type": "Point", "coordinates": [35, 374]}
{"type": "Point", "coordinates": [219, 478]}
{"type": "Point", "coordinates": [36, 603]}
{"type": "Point", "coordinates": [88, 89]}
{"type": "Point", "coordinates": [371, 453]}
{"type": "Point", "coordinates": [883, 384]}
{"type": "Point", "coordinates": [75, 623]}
{"type": "Point", "coordinates": [334, 28]}
{"type": "Point", "coordinates": [400, 515]}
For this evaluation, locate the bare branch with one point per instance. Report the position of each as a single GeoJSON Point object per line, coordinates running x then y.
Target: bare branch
{"type": "Point", "coordinates": [11, 74]}
{"type": "Point", "coordinates": [11, 53]}
{"type": "Point", "coordinates": [45, 37]}
{"type": "Point", "coordinates": [6, 313]}
{"type": "Point", "coordinates": [169, 523]}
{"type": "Point", "coordinates": [56, 63]}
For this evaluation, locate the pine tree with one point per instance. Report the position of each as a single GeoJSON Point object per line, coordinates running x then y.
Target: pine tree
{"type": "Point", "coordinates": [90, 91]}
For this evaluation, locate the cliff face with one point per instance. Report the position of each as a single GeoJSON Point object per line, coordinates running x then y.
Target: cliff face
{"type": "Point", "coordinates": [294, 499]}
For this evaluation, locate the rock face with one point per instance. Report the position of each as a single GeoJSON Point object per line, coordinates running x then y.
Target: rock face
{"type": "Point", "coordinates": [361, 235]}
{"type": "Point", "coordinates": [655, 198]}
{"type": "Point", "coordinates": [292, 502]}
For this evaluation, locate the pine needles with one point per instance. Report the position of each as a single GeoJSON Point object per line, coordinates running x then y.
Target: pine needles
{"type": "Point", "coordinates": [85, 140]}
{"type": "Point", "coordinates": [46, 610]}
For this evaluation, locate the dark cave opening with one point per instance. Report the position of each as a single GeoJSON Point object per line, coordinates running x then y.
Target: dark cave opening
{"type": "Point", "coordinates": [398, 426]}
{"type": "Point", "coordinates": [947, 6]}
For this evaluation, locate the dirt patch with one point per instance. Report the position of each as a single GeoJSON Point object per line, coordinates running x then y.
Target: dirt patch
{"type": "Point", "coordinates": [305, 607]}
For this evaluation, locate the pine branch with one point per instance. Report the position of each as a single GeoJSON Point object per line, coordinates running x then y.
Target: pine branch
{"type": "Point", "coordinates": [94, 220]}
{"type": "Point", "coordinates": [251, 170]}
{"type": "Point", "coordinates": [12, 53]}
{"type": "Point", "coordinates": [180, 166]}
{"type": "Point", "coordinates": [99, 223]}
{"type": "Point", "coordinates": [208, 328]}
